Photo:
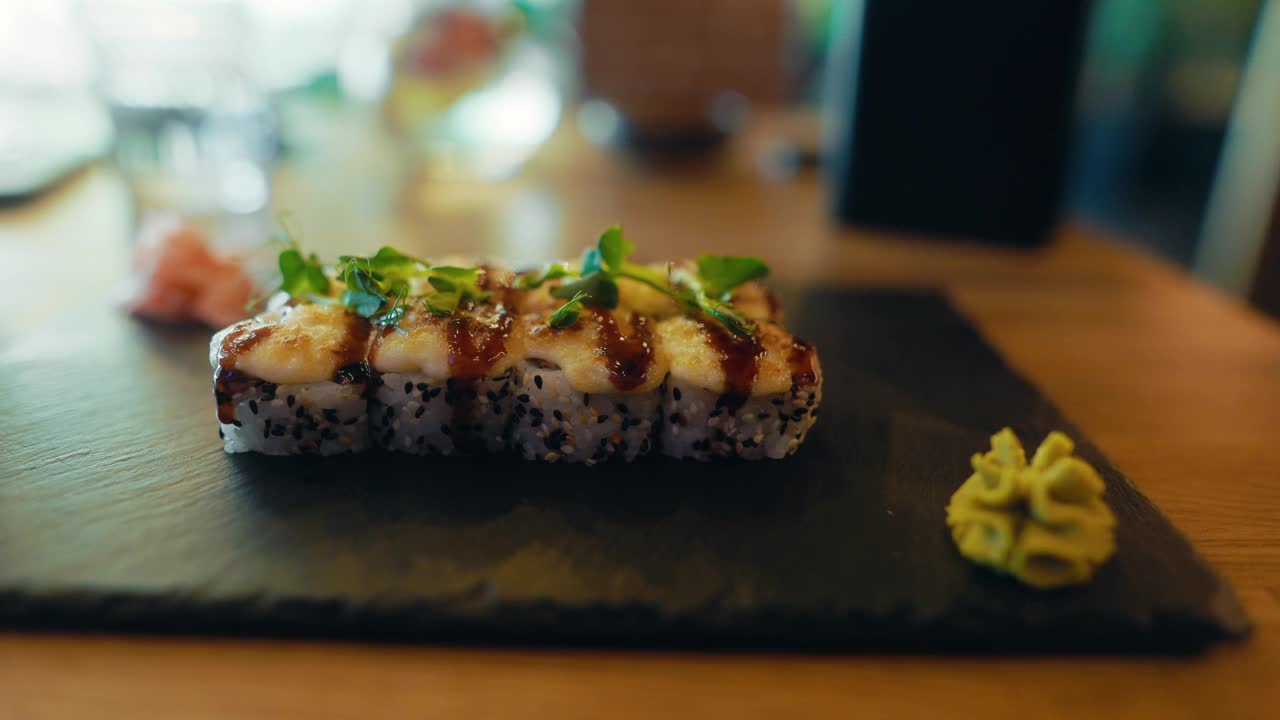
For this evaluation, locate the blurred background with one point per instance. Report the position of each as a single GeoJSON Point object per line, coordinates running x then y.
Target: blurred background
{"type": "Point", "coordinates": [521, 127]}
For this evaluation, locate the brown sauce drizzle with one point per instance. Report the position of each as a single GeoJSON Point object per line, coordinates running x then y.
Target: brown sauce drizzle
{"type": "Point", "coordinates": [629, 357]}
{"type": "Point", "coordinates": [229, 382]}
{"type": "Point", "coordinates": [800, 360]}
{"type": "Point", "coordinates": [474, 346]}
{"type": "Point", "coordinates": [353, 353]}
{"type": "Point", "coordinates": [739, 361]}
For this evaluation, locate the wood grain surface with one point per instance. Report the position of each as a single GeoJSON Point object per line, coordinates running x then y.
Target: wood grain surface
{"type": "Point", "coordinates": [1177, 384]}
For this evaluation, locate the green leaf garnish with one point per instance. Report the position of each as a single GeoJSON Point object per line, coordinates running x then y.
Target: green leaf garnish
{"type": "Point", "coordinates": [722, 273]}
{"type": "Point", "coordinates": [614, 249]}
{"type": "Point", "coordinates": [301, 275]}
{"type": "Point", "coordinates": [705, 293]}
{"type": "Point", "coordinates": [600, 289]}
{"type": "Point", "coordinates": [443, 302]}
{"type": "Point", "coordinates": [465, 280]}
{"type": "Point", "coordinates": [535, 280]}
{"type": "Point", "coordinates": [567, 314]}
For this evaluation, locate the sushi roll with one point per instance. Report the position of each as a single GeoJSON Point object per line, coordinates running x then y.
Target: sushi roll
{"type": "Point", "coordinates": [293, 381]}
{"type": "Point", "coordinates": [445, 383]}
{"type": "Point", "coordinates": [589, 392]}
{"type": "Point", "coordinates": [606, 360]}
{"type": "Point", "coordinates": [736, 396]}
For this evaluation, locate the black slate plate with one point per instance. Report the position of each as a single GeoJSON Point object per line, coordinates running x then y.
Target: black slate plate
{"type": "Point", "coordinates": [118, 509]}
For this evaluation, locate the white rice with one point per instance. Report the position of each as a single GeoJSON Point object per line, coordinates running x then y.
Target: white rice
{"type": "Point", "coordinates": [552, 422]}
{"type": "Point", "coordinates": [699, 425]}
{"type": "Point", "coordinates": [321, 418]}
{"type": "Point", "coordinates": [412, 413]}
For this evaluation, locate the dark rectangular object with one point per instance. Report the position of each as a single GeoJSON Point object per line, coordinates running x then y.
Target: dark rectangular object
{"type": "Point", "coordinates": [118, 509]}
{"type": "Point", "coordinates": [953, 117]}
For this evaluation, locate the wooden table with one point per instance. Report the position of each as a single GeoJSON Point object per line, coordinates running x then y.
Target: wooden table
{"type": "Point", "coordinates": [1178, 384]}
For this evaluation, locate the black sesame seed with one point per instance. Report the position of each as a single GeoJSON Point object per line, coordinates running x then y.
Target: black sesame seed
{"type": "Point", "coordinates": [674, 418]}
{"type": "Point", "coordinates": [253, 406]}
{"type": "Point", "coordinates": [675, 393]}
{"type": "Point", "coordinates": [601, 418]}
{"type": "Point", "coordinates": [777, 401]}
{"type": "Point", "coordinates": [558, 415]}
{"type": "Point", "coordinates": [290, 400]}
{"type": "Point", "coordinates": [266, 430]}
{"type": "Point", "coordinates": [418, 413]}
{"type": "Point", "coordinates": [535, 422]}
{"type": "Point", "coordinates": [331, 415]}
{"type": "Point", "coordinates": [520, 411]}
{"type": "Point", "coordinates": [622, 408]}
{"type": "Point", "coordinates": [421, 386]}
{"type": "Point", "coordinates": [279, 430]}
{"type": "Point", "coordinates": [535, 412]}
{"type": "Point", "coordinates": [434, 393]}
{"type": "Point", "coordinates": [237, 423]}
{"type": "Point", "coordinates": [493, 396]}
{"type": "Point", "coordinates": [586, 398]}
{"type": "Point", "coordinates": [302, 412]}
{"type": "Point", "coordinates": [762, 416]}
{"type": "Point", "coordinates": [537, 380]}
{"type": "Point", "coordinates": [220, 433]}
{"type": "Point", "coordinates": [523, 397]}
{"type": "Point", "coordinates": [408, 388]}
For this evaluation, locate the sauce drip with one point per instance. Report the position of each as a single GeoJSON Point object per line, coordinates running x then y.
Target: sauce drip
{"type": "Point", "coordinates": [229, 382]}
{"type": "Point", "coordinates": [353, 353]}
{"type": "Point", "coordinates": [739, 361]}
{"type": "Point", "coordinates": [474, 346]}
{"type": "Point", "coordinates": [629, 357]}
{"type": "Point", "coordinates": [800, 360]}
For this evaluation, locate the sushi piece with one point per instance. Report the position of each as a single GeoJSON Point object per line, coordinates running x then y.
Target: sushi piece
{"type": "Point", "coordinates": [293, 381]}
{"type": "Point", "coordinates": [736, 396]}
{"type": "Point", "coordinates": [589, 392]}
{"type": "Point", "coordinates": [445, 383]}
